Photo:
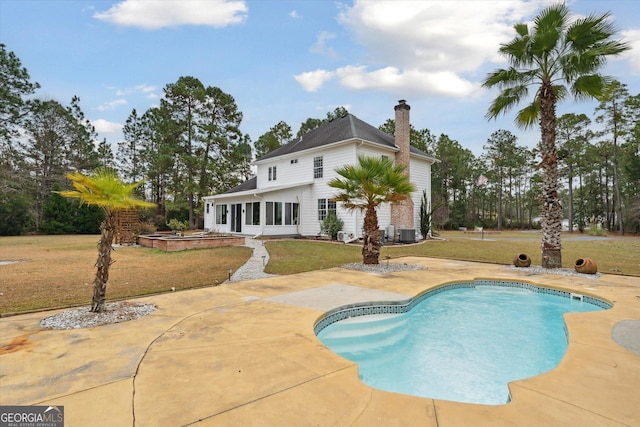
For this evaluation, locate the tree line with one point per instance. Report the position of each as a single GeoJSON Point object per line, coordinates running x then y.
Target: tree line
{"type": "Point", "coordinates": [191, 145]}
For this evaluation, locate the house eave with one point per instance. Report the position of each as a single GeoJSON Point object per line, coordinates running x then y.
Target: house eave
{"type": "Point", "coordinates": [256, 192]}
{"type": "Point", "coordinates": [357, 141]}
{"type": "Point", "coordinates": [308, 150]}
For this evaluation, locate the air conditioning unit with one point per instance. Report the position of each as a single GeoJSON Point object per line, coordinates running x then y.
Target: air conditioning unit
{"type": "Point", "coordinates": [343, 236]}
{"type": "Point", "coordinates": [407, 235]}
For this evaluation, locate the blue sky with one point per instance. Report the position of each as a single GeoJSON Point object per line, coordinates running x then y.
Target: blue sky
{"type": "Point", "coordinates": [290, 60]}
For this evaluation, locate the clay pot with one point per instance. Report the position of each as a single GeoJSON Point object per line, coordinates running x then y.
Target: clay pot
{"type": "Point", "coordinates": [522, 260]}
{"type": "Point", "coordinates": [586, 266]}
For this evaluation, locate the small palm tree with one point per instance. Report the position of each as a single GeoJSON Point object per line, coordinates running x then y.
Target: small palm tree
{"type": "Point", "coordinates": [104, 189]}
{"type": "Point", "coordinates": [365, 186]}
{"type": "Point", "coordinates": [555, 52]}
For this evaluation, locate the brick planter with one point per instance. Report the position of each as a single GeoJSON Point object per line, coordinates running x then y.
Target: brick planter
{"type": "Point", "coordinates": [170, 243]}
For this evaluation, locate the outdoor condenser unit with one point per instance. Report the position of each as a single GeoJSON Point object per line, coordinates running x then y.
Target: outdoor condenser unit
{"type": "Point", "coordinates": [343, 236]}
{"type": "Point", "coordinates": [407, 235]}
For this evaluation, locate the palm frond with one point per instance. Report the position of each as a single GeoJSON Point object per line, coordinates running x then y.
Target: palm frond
{"type": "Point", "coordinates": [522, 29]}
{"type": "Point", "coordinates": [506, 100]}
{"type": "Point", "coordinates": [509, 77]}
{"type": "Point", "coordinates": [517, 51]}
{"type": "Point", "coordinates": [560, 91]}
{"type": "Point", "coordinates": [589, 86]}
{"type": "Point", "coordinates": [552, 19]}
{"type": "Point", "coordinates": [105, 190]}
{"type": "Point", "coordinates": [371, 182]}
{"type": "Point", "coordinates": [528, 116]}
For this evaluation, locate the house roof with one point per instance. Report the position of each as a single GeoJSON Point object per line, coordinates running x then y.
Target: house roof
{"type": "Point", "coordinates": [249, 188]}
{"type": "Point", "coordinates": [250, 184]}
{"type": "Point", "coordinates": [340, 129]}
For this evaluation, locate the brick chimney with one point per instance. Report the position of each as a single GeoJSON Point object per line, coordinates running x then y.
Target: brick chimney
{"type": "Point", "coordinates": [402, 212]}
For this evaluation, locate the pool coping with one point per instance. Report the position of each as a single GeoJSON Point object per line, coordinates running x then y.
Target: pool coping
{"type": "Point", "coordinates": [404, 306]}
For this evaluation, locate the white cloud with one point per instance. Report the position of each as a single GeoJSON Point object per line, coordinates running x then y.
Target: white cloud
{"type": "Point", "coordinates": [170, 13]}
{"type": "Point", "coordinates": [320, 46]}
{"type": "Point", "coordinates": [416, 81]}
{"type": "Point", "coordinates": [633, 38]}
{"type": "Point", "coordinates": [431, 47]}
{"type": "Point", "coordinates": [103, 126]}
{"type": "Point", "coordinates": [294, 14]}
{"type": "Point", "coordinates": [111, 104]}
{"type": "Point", "coordinates": [141, 88]}
{"type": "Point", "coordinates": [312, 81]}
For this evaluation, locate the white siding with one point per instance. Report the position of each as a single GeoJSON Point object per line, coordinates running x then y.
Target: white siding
{"type": "Point", "coordinates": [332, 159]}
{"type": "Point", "coordinates": [370, 151]}
{"type": "Point", "coordinates": [421, 178]}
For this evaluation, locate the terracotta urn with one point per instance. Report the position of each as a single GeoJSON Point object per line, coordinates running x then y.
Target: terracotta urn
{"type": "Point", "coordinates": [522, 260]}
{"type": "Point", "coordinates": [586, 266]}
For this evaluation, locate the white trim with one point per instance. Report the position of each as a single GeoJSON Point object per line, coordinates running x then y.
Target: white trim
{"type": "Point", "coordinates": [257, 192]}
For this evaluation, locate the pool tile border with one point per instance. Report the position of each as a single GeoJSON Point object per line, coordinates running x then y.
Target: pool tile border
{"type": "Point", "coordinates": [404, 306]}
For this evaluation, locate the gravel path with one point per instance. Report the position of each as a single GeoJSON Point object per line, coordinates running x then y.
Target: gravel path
{"type": "Point", "coordinates": [254, 267]}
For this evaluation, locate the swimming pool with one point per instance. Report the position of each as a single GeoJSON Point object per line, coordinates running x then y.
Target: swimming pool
{"type": "Point", "coordinates": [461, 342]}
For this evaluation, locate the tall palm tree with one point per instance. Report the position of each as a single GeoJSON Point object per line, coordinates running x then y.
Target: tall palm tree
{"type": "Point", "coordinates": [365, 186]}
{"type": "Point", "coordinates": [557, 56]}
{"type": "Point", "coordinates": [106, 190]}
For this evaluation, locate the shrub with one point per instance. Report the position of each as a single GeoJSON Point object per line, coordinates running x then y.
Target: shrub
{"type": "Point", "coordinates": [594, 230]}
{"type": "Point", "coordinates": [331, 225]}
{"type": "Point", "coordinates": [177, 225]}
{"type": "Point", "coordinates": [146, 228]}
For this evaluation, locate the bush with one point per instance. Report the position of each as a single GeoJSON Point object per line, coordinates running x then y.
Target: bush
{"type": "Point", "coordinates": [15, 214]}
{"type": "Point", "coordinates": [596, 231]}
{"type": "Point", "coordinates": [146, 228]}
{"type": "Point", "coordinates": [177, 225]}
{"type": "Point", "coordinates": [331, 226]}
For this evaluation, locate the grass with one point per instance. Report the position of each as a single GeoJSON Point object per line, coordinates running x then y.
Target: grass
{"type": "Point", "coordinates": [58, 271]}
{"type": "Point", "coordinates": [619, 256]}
{"type": "Point", "coordinates": [297, 256]}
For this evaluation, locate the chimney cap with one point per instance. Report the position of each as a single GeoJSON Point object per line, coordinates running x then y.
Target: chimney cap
{"type": "Point", "coordinates": [402, 105]}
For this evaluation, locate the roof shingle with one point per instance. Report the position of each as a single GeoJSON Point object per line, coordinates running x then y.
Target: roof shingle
{"type": "Point", "coordinates": [340, 129]}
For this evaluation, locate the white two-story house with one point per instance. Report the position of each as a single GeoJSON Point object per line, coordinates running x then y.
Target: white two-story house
{"type": "Point", "coordinates": [289, 195]}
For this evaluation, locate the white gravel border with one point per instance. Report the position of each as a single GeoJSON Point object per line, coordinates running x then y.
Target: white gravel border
{"type": "Point", "coordinates": [79, 318]}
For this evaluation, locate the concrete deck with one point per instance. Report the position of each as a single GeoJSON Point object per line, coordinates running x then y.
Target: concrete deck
{"type": "Point", "coordinates": [244, 354]}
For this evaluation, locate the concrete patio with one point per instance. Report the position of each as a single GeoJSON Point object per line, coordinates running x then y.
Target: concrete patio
{"type": "Point", "coordinates": [244, 354]}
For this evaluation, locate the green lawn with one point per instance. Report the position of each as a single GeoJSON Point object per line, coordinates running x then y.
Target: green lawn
{"type": "Point", "coordinates": [57, 271]}
{"type": "Point", "coordinates": [613, 255]}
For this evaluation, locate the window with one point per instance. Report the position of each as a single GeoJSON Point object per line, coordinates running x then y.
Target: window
{"type": "Point", "coordinates": [221, 214]}
{"type": "Point", "coordinates": [274, 213]}
{"type": "Point", "coordinates": [272, 173]}
{"type": "Point", "coordinates": [291, 213]}
{"type": "Point", "coordinates": [294, 161]}
{"type": "Point", "coordinates": [317, 167]}
{"type": "Point", "coordinates": [326, 207]}
{"type": "Point", "coordinates": [252, 216]}
{"type": "Point", "coordinates": [207, 207]}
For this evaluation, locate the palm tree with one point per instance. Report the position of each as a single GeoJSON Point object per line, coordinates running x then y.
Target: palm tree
{"type": "Point", "coordinates": [365, 186]}
{"type": "Point", "coordinates": [558, 56]}
{"type": "Point", "coordinates": [106, 190]}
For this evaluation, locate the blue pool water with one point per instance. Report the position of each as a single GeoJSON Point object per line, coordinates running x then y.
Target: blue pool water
{"type": "Point", "coordinates": [461, 344]}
